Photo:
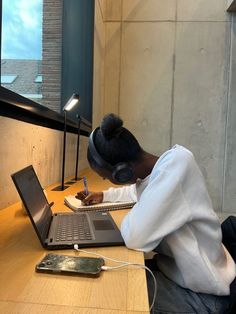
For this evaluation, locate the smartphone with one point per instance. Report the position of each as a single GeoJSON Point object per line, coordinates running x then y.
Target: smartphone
{"type": "Point", "coordinates": [70, 265]}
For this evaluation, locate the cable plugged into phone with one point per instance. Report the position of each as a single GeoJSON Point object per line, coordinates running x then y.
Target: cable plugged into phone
{"type": "Point", "coordinates": [123, 264]}
{"type": "Point", "coordinates": [106, 267]}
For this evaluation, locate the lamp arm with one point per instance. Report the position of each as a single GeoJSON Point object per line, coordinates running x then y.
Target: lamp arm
{"type": "Point", "coordinates": [77, 148]}
{"type": "Point", "coordinates": [64, 154]}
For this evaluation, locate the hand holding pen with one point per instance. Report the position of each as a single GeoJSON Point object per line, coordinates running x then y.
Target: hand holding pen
{"type": "Point", "coordinates": [89, 198]}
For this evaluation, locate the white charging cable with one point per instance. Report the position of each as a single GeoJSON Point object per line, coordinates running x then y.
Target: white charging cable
{"type": "Point", "coordinates": [124, 264]}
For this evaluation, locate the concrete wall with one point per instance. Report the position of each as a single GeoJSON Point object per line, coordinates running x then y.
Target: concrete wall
{"type": "Point", "coordinates": [23, 144]}
{"type": "Point", "coordinates": [230, 153]}
{"type": "Point", "coordinates": [168, 68]}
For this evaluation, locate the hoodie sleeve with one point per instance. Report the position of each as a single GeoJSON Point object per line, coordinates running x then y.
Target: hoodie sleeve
{"type": "Point", "coordinates": [124, 194]}
{"type": "Point", "coordinates": [161, 210]}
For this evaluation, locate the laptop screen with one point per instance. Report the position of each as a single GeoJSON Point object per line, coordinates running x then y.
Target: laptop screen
{"type": "Point", "coordinates": [34, 200]}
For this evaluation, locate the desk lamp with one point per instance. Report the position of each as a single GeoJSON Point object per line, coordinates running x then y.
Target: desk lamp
{"type": "Point", "coordinates": [80, 120]}
{"type": "Point", "coordinates": [76, 178]}
{"type": "Point", "coordinates": [68, 106]}
{"type": "Point", "coordinates": [77, 150]}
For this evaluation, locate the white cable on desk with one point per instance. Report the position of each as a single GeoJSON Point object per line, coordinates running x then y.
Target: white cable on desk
{"type": "Point", "coordinates": [124, 264]}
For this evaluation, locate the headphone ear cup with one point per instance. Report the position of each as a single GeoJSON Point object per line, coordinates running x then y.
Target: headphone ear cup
{"type": "Point", "coordinates": [122, 173]}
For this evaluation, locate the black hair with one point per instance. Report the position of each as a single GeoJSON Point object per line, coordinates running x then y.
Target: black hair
{"type": "Point", "coordinates": [115, 143]}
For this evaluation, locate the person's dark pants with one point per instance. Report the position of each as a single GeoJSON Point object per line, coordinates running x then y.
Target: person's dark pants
{"type": "Point", "coordinates": [171, 298]}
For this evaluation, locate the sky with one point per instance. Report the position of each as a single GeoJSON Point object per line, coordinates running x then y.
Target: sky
{"type": "Point", "coordinates": [22, 29]}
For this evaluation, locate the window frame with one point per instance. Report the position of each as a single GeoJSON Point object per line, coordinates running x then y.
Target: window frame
{"type": "Point", "coordinates": [13, 105]}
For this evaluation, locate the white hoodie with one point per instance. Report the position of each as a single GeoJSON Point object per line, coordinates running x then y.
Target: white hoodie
{"type": "Point", "coordinates": [174, 215]}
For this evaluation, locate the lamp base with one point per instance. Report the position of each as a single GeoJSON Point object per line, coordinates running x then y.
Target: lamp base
{"type": "Point", "coordinates": [70, 182]}
{"type": "Point", "coordinates": [59, 188]}
{"type": "Point", "coordinates": [77, 179]}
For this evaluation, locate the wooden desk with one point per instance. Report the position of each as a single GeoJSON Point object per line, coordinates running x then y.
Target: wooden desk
{"type": "Point", "coordinates": [25, 291]}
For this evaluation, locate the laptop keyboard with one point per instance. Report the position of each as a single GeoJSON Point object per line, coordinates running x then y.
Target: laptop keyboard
{"type": "Point", "coordinates": [72, 228]}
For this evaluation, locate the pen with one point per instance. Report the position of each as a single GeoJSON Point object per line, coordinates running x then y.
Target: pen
{"type": "Point", "coordinates": [85, 185]}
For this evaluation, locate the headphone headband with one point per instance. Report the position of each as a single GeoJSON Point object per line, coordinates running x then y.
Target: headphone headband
{"type": "Point", "coordinates": [121, 173]}
{"type": "Point", "coordinates": [96, 156]}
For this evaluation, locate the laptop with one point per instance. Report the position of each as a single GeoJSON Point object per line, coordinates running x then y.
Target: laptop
{"type": "Point", "coordinates": [63, 230]}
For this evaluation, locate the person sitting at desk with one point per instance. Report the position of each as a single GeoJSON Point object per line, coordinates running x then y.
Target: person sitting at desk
{"type": "Point", "coordinates": [173, 216]}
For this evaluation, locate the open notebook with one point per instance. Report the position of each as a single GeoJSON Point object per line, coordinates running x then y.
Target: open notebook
{"type": "Point", "coordinates": [76, 205]}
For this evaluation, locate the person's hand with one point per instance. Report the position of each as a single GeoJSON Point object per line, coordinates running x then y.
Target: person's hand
{"type": "Point", "coordinates": [91, 198]}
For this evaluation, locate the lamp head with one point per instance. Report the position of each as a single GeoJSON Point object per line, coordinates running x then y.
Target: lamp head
{"type": "Point", "coordinates": [71, 102]}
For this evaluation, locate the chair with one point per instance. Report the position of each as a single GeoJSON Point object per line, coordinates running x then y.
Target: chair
{"type": "Point", "coordinates": [228, 228]}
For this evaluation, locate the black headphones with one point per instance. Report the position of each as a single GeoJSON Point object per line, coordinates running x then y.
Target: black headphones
{"type": "Point", "coordinates": [121, 172]}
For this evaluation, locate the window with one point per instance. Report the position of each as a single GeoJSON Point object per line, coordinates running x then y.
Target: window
{"type": "Point", "coordinates": [48, 46]}
{"type": "Point", "coordinates": [31, 48]}
{"type": "Point", "coordinates": [8, 79]}
{"type": "Point", "coordinates": [38, 79]}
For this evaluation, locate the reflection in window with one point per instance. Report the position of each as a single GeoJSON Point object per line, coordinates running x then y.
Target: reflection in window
{"type": "Point", "coordinates": [31, 49]}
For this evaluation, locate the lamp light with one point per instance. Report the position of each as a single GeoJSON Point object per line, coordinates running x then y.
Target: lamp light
{"type": "Point", "coordinates": [71, 102]}
{"type": "Point", "coordinates": [74, 99]}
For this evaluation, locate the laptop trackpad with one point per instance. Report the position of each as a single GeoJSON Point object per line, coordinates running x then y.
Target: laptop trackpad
{"type": "Point", "coordinates": [103, 225]}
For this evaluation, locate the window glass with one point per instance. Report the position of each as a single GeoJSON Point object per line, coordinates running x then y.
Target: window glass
{"type": "Point", "coordinates": [31, 50]}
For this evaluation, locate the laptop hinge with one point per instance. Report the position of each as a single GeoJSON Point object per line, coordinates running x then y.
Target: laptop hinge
{"type": "Point", "coordinates": [48, 240]}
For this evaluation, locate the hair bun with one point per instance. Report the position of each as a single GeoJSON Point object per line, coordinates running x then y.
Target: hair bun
{"type": "Point", "coordinates": [111, 125]}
